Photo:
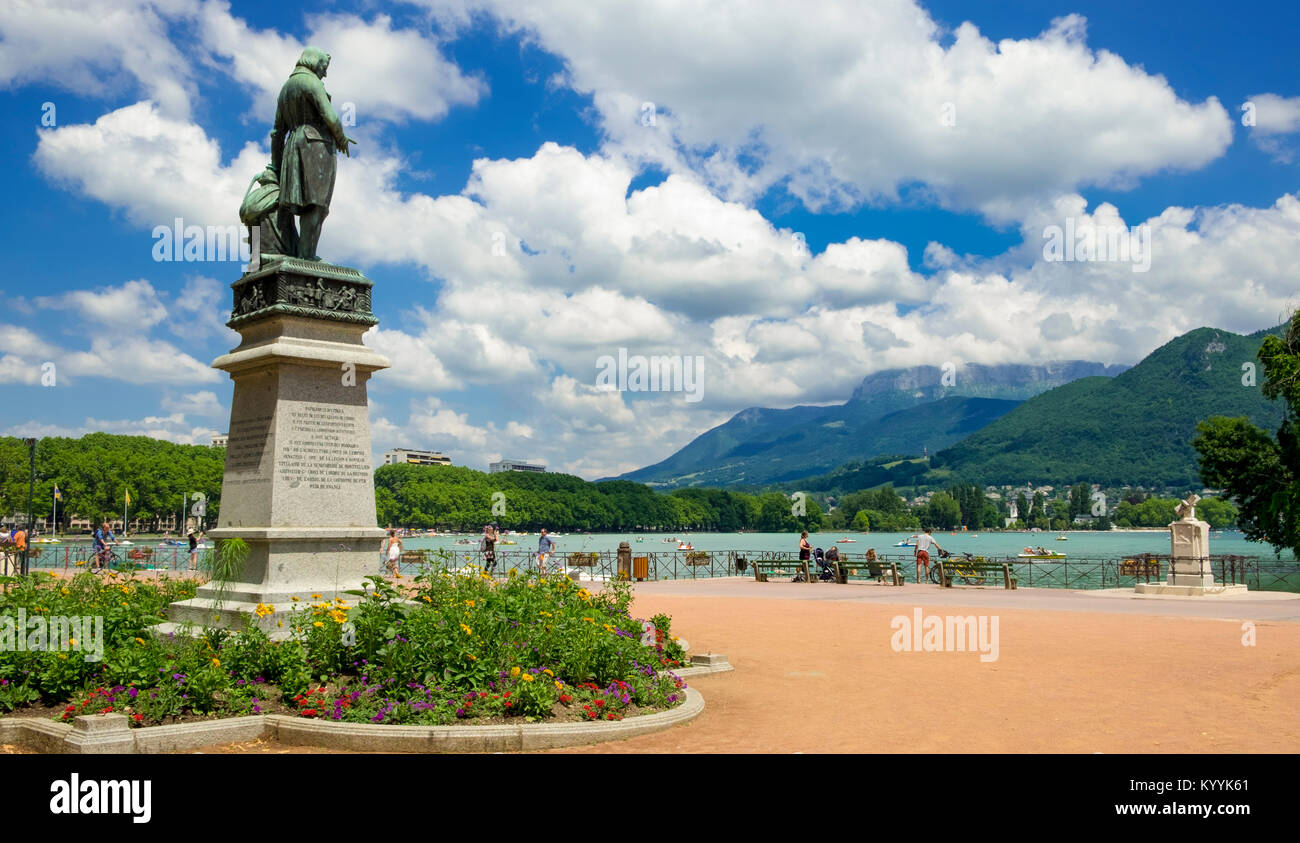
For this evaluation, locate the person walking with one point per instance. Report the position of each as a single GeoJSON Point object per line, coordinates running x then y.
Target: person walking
{"type": "Point", "coordinates": [545, 547]}
{"type": "Point", "coordinates": [194, 551]}
{"type": "Point", "coordinates": [393, 552]}
{"type": "Point", "coordinates": [924, 542]}
{"type": "Point", "coordinates": [20, 547]}
{"type": "Point", "coordinates": [490, 537]}
{"type": "Point", "coordinates": [805, 551]}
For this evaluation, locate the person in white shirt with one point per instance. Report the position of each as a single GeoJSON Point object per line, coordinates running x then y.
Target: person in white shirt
{"type": "Point", "coordinates": [924, 542]}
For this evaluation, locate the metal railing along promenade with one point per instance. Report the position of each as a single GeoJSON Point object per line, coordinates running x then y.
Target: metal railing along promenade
{"type": "Point", "coordinates": [1258, 573]}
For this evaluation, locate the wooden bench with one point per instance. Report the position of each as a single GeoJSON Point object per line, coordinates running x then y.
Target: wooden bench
{"type": "Point", "coordinates": [950, 569]}
{"type": "Point", "coordinates": [884, 571]}
{"type": "Point", "coordinates": [779, 568]}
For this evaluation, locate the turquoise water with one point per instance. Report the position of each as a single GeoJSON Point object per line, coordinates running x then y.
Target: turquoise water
{"type": "Point", "coordinates": [1080, 543]}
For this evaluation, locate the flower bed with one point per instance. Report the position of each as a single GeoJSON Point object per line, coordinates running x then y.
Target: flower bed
{"type": "Point", "coordinates": [448, 648]}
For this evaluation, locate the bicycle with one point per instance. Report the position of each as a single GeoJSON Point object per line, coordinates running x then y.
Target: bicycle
{"type": "Point", "coordinates": [969, 575]}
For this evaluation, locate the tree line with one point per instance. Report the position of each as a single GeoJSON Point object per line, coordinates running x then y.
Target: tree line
{"type": "Point", "coordinates": [95, 472]}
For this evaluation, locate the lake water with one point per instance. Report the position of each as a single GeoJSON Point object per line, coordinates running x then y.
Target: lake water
{"type": "Point", "coordinates": [1080, 543]}
{"type": "Point", "coordinates": [1092, 558]}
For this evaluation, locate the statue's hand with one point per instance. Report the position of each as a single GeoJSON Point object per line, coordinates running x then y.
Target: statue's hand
{"type": "Point", "coordinates": [347, 141]}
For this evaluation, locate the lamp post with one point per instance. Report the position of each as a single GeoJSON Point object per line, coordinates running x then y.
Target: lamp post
{"type": "Point", "coordinates": [31, 497]}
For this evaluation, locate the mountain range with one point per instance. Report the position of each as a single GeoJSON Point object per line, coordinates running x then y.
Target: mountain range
{"type": "Point", "coordinates": [1061, 422]}
{"type": "Point", "coordinates": [896, 411]}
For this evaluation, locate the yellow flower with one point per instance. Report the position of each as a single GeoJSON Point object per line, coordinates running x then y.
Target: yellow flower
{"type": "Point", "coordinates": [296, 599]}
{"type": "Point", "coordinates": [319, 624]}
{"type": "Point", "coordinates": [472, 657]}
{"type": "Point", "coordinates": [425, 598]}
{"type": "Point", "coordinates": [139, 641]}
{"type": "Point", "coordinates": [514, 671]}
{"type": "Point", "coordinates": [65, 591]}
{"type": "Point", "coordinates": [72, 642]}
{"type": "Point", "coordinates": [527, 677]}
{"type": "Point", "coordinates": [547, 615]}
{"type": "Point", "coordinates": [279, 623]}
{"type": "Point", "coordinates": [547, 671]}
{"type": "Point", "coordinates": [559, 686]}
{"type": "Point", "coordinates": [468, 631]}
{"type": "Point", "coordinates": [469, 603]}
{"type": "Point", "coordinates": [589, 620]}
{"type": "Point", "coordinates": [63, 655]}
{"type": "Point", "coordinates": [339, 617]}
{"type": "Point", "coordinates": [79, 564]}
{"type": "Point", "coordinates": [124, 603]}
{"type": "Point", "coordinates": [216, 663]}
{"type": "Point", "coordinates": [315, 597]}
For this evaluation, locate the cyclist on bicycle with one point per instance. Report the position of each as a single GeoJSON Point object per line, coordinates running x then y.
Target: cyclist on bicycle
{"type": "Point", "coordinates": [103, 555]}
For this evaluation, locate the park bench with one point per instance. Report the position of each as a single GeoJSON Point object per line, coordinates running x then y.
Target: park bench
{"type": "Point", "coordinates": [779, 568]}
{"type": "Point", "coordinates": [883, 571]}
{"type": "Point", "coordinates": [968, 569]}
{"type": "Point", "coordinates": [414, 557]}
{"type": "Point", "coordinates": [141, 556]}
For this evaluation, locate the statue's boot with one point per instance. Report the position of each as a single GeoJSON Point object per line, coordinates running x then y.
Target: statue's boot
{"type": "Point", "coordinates": [309, 225]}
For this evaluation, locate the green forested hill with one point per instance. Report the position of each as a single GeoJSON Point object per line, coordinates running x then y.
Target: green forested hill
{"type": "Point", "coordinates": [764, 446]}
{"type": "Point", "coordinates": [1133, 429]}
{"type": "Point", "coordinates": [94, 472]}
{"type": "Point", "coordinates": [787, 454]}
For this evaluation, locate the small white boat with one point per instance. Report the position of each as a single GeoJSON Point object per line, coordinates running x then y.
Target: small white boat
{"type": "Point", "coordinates": [910, 541]}
{"type": "Point", "coordinates": [847, 541]}
{"type": "Point", "coordinates": [684, 547]}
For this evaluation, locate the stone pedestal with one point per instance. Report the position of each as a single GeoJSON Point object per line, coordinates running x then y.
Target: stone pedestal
{"type": "Point", "coordinates": [298, 484]}
{"type": "Point", "coordinates": [1189, 567]}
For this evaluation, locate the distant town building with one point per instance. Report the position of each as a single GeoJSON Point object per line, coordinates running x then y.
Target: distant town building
{"type": "Point", "coordinates": [514, 465]}
{"type": "Point", "coordinates": [220, 440]}
{"type": "Point", "coordinates": [404, 456]}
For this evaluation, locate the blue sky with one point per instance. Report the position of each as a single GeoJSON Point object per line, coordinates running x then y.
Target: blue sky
{"type": "Point", "coordinates": [920, 152]}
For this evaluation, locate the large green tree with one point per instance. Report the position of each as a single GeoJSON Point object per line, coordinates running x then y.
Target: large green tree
{"type": "Point", "coordinates": [1261, 473]}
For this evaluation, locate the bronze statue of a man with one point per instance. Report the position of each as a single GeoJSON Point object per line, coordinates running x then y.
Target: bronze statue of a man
{"type": "Point", "coordinates": [303, 143]}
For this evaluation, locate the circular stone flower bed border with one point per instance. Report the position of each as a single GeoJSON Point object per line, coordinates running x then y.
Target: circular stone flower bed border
{"type": "Point", "coordinates": [112, 733]}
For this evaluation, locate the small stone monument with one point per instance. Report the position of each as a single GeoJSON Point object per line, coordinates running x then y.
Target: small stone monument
{"type": "Point", "coordinates": [1189, 565]}
{"type": "Point", "coordinates": [298, 487]}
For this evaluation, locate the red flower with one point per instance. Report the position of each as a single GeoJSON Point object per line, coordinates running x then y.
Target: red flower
{"type": "Point", "coordinates": [309, 712]}
{"type": "Point", "coordinates": [613, 716]}
{"type": "Point", "coordinates": [139, 718]}
{"type": "Point", "coordinates": [507, 695]}
{"type": "Point", "coordinates": [107, 710]}
{"type": "Point", "coordinates": [482, 694]}
{"type": "Point", "coordinates": [600, 703]}
{"type": "Point", "coordinates": [508, 704]}
{"type": "Point", "coordinates": [565, 698]}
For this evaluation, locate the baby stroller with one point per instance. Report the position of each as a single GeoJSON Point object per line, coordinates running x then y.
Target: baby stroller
{"type": "Point", "coordinates": [825, 570]}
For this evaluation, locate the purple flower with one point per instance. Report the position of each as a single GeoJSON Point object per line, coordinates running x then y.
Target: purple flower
{"type": "Point", "coordinates": [132, 693]}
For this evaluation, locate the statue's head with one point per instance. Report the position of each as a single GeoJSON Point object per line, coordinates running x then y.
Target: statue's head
{"type": "Point", "coordinates": [315, 59]}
